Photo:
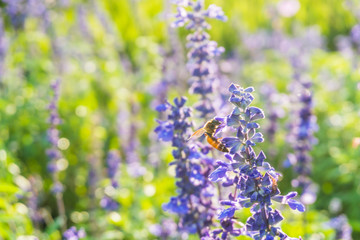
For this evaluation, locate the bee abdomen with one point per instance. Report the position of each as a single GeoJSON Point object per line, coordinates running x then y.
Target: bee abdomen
{"type": "Point", "coordinates": [222, 148]}
{"type": "Point", "coordinates": [217, 144]}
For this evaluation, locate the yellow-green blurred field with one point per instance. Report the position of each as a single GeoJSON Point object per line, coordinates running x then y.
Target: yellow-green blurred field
{"type": "Point", "coordinates": [110, 55]}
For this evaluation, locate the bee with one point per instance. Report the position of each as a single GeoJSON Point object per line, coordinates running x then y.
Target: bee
{"type": "Point", "coordinates": [210, 129]}
{"type": "Point", "coordinates": [274, 186]}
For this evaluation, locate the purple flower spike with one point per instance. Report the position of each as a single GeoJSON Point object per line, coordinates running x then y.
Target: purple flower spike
{"type": "Point", "coordinates": [301, 137]}
{"type": "Point", "coordinates": [113, 162]}
{"type": "Point", "coordinates": [53, 152]}
{"type": "Point", "coordinates": [254, 188]}
{"type": "Point", "coordinates": [202, 51]}
{"type": "Point", "coordinates": [342, 227]}
{"type": "Point", "coordinates": [192, 168]}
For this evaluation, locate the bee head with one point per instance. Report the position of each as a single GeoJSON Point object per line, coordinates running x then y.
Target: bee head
{"type": "Point", "coordinates": [215, 122]}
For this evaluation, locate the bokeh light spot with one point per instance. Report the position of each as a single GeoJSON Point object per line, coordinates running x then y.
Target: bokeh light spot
{"type": "Point", "coordinates": [62, 164]}
{"type": "Point", "coordinates": [149, 190]}
{"type": "Point", "coordinates": [81, 111]}
{"type": "Point", "coordinates": [90, 67]}
{"type": "Point", "coordinates": [21, 208]}
{"type": "Point", "coordinates": [14, 169]}
{"type": "Point", "coordinates": [115, 217]}
{"type": "Point", "coordinates": [2, 155]}
{"type": "Point", "coordinates": [288, 8]}
{"type": "Point", "coordinates": [63, 143]}
{"type": "Point", "coordinates": [23, 183]}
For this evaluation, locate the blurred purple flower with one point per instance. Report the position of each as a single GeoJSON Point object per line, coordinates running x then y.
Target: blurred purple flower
{"type": "Point", "coordinates": [127, 132]}
{"type": "Point", "coordinates": [302, 129]}
{"type": "Point", "coordinates": [113, 162]}
{"type": "Point", "coordinates": [57, 187]}
{"type": "Point", "coordinates": [3, 49]}
{"type": "Point", "coordinates": [16, 10]}
{"type": "Point", "coordinates": [33, 200]}
{"type": "Point", "coordinates": [74, 234]}
{"type": "Point", "coordinates": [109, 204]}
{"type": "Point", "coordinates": [19, 10]}
{"type": "Point", "coordinates": [341, 226]}
{"type": "Point", "coordinates": [83, 23]}
{"type": "Point", "coordinates": [202, 51]}
{"type": "Point", "coordinates": [296, 49]}
{"type": "Point", "coordinates": [167, 229]}
{"type": "Point", "coordinates": [355, 34]}
{"type": "Point", "coordinates": [53, 152]}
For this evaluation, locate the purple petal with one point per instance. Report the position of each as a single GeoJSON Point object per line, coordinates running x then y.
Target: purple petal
{"type": "Point", "coordinates": [227, 213]}
{"type": "Point", "coordinates": [218, 174]}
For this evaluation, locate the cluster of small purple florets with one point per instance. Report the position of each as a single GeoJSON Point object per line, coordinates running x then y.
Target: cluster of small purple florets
{"type": "Point", "coordinates": [193, 203]}
{"type": "Point", "coordinates": [355, 36]}
{"type": "Point", "coordinates": [3, 48]}
{"type": "Point", "coordinates": [342, 227]}
{"type": "Point", "coordinates": [19, 10]}
{"type": "Point", "coordinates": [202, 51]}
{"type": "Point", "coordinates": [53, 152]}
{"type": "Point", "coordinates": [74, 234]}
{"type": "Point", "coordinates": [302, 138]}
{"type": "Point", "coordinates": [355, 30]}
{"type": "Point", "coordinates": [113, 164]}
{"type": "Point", "coordinates": [253, 179]}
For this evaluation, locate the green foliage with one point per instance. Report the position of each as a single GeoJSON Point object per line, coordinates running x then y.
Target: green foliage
{"type": "Point", "coordinates": [109, 69]}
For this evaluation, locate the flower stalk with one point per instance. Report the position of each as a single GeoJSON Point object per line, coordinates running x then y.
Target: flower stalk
{"type": "Point", "coordinates": [254, 179]}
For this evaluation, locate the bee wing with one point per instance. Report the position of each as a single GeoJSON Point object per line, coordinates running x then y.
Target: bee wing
{"type": "Point", "coordinates": [197, 133]}
{"type": "Point", "coordinates": [274, 180]}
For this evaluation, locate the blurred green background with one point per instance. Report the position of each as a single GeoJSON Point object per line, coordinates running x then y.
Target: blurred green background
{"type": "Point", "coordinates": [110, 55]}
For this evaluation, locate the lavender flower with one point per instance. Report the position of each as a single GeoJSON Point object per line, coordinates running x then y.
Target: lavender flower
{"type": "Point", "coordinates": [53, 152]}
{"type": "Point", "coordinates": [303, 122]}
{"type": "Point", "coordinates": [16, 11]}
{"type": "Point", "coordinates": [19, 10]}
{"type": "Point", "coordinates": [3, 48]}
{"type": "Point", "coordinates": [255, 180]}
{"type": "Point", "coordinates": [202, 51]}
{"type": "Point", "coordinates": [33, 200]}
{"type": "Point", "coordinates": [127, 132]}
{"type": "Point", "coordinates": [83, 23]}
{"type": "Point", "coordinates": [355, 35]}
{"type": "Point", "coordinates": [36, 8]}
{"type": "Point", "coordinates": [104, 19]}
{"type": "Point", "coordinates": [272, 99]}
{"type": "Point", "coordinates": [302, 138]}
{"type": "Point", "coordinates": [296, 48]}
{"type": "Point", "coordinates": [92, 176]}
{"type": "Point", "coordinates": [341, 226]}
{"type": "Point", "coordinates": [349, 46]}
{"type": "Point", "coordinates": [193, 202]}
{"type": "Point", "coordinates": [74, 234]}
{"type": "Point", "coordinates": [165, 230]}
{"type": "Point", "coordinates": [113, 165]}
